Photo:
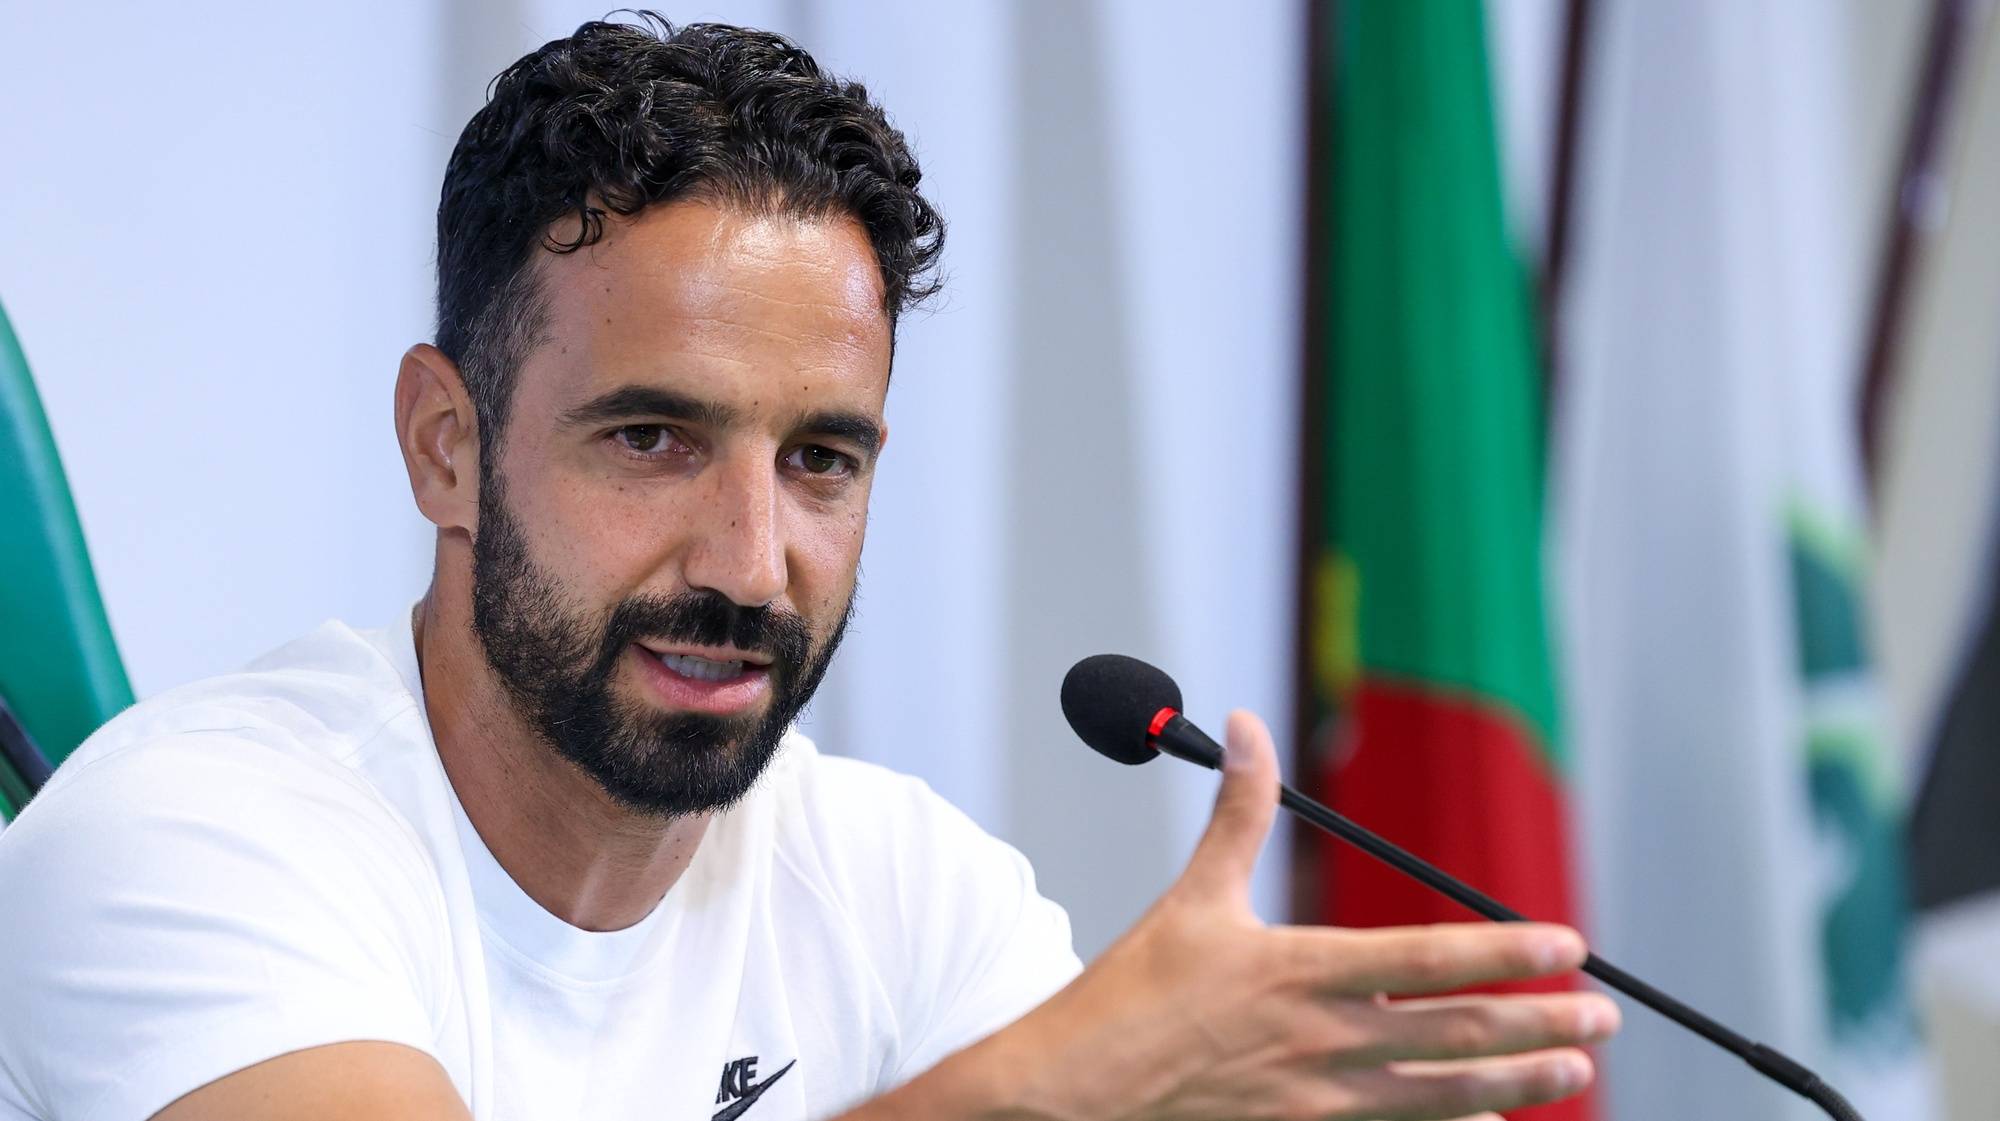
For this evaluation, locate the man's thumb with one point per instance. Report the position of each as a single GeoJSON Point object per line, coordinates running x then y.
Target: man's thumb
{"type": "Point", "coordinates": [1244, 807]}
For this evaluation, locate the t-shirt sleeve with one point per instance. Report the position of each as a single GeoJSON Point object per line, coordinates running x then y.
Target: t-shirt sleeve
{"type": "Point", "coordinates": [965, 944]}
{"type": "Point", "coordinates": [991, 946]}
{"type": "Point", "coordinates": [191, 906]}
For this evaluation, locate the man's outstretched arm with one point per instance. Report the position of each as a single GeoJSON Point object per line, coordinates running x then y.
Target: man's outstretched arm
{"type": "Point", "coordinates": [1201, 1010]}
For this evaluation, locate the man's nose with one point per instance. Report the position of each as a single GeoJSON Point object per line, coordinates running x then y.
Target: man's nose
{"type": "Point", "coordinates": [739, 551]}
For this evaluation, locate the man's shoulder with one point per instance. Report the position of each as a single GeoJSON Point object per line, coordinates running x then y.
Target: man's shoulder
{"type": "Point", "coordinates": [275, 743]}
{"type": "Point", "coordinates": [212, 880]}
{"type": "Point", "coordinates": [946, 915]}
{"type": "Point", "coordinates": [317, 701]}
{"type": "Point", "coordinates": [860, 829]}
{"type": "Point", "coordinates": [840, 783]}
{"type": "Point", "coordinates": [849, 800]}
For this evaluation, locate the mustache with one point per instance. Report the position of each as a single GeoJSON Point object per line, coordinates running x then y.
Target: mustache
{"type": "Point", "coordinates": [706, 618]}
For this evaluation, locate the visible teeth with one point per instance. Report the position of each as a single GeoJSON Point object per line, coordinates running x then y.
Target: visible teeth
{"type": "Point", "coordinates": [701, 669]}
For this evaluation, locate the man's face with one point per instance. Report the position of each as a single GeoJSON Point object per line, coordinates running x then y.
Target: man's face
{"type": "Point", "coordinates": [668, 539]}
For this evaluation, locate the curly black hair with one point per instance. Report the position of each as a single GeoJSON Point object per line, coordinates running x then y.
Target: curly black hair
{"type": "Point", "coordinates": [622, 116]}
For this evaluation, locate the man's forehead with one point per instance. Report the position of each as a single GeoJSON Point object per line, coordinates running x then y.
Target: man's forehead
{"type": "Point", "coordinates": [694, 260]}
{"type": "Point", "coordinates": [763, 303]}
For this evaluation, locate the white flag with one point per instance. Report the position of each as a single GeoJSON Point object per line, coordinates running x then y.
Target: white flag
{"type": "Point", "coordinates": [1738, 802]}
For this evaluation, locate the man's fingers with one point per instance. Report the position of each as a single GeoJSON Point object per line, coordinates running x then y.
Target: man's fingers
{"type": "Point", "coordinates": [1430, 959]}
{"type": "Point", "coordinates": [1432, 1091]}
{"type": "Point", "coordinates": [1481, 1026]}
{"type": "Point", "coordinates": [1244, 807]}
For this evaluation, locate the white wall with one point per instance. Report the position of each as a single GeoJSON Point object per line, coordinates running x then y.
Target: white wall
{"type": "Point", "coordinates": [215, 240]}
{"type": "Point", "coordinates": [211, 257]}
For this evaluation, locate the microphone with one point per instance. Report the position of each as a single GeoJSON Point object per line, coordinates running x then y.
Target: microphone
{"type": "Point", "coordinates": [1129, 711]}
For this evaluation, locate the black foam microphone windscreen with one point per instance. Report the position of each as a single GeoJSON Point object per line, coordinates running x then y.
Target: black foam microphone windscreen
{"type": "Point", "coordinates": [1111, 700]}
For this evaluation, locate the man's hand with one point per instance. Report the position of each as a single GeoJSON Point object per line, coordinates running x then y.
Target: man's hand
{"type": "Point", "coordinates": [1202, 1011]}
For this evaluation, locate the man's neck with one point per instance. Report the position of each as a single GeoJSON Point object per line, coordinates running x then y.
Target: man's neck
{"type": "Point", "coordinates": [587, 859]}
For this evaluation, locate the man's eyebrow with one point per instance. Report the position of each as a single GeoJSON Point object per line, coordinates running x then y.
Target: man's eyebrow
{"type": "Point", "coordinates": [858, 427]}
{"type": "Point", "coordinates": [630, 401]}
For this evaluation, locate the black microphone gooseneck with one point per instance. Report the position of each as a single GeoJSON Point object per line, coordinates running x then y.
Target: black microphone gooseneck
{"type": "Point", "coordinates": [1130, 711]}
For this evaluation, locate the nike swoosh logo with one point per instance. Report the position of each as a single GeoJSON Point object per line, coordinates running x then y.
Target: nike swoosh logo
{"type": "Point", "coordinates": [735, 1109]}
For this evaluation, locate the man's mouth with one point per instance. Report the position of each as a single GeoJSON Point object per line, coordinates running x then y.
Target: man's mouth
{"type": "Point", "coordinates": [703, 669]}
{"type": "Point", "coordinates": [713, 679]}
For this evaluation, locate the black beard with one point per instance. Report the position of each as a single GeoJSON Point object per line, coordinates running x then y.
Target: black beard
{"type": "Point", "coordinates": [558, 669]}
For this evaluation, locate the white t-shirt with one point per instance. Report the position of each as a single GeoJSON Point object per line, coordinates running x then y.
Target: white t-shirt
{"type": "Point", "coordinates": [274, 860]}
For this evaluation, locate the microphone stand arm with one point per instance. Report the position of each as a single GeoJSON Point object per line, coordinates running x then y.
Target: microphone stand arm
{"type": "Point", "coordinates": [1768, 1061]}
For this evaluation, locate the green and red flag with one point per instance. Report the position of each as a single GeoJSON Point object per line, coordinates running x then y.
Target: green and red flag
{"type": "Point", "coordinates": [1429, 639]}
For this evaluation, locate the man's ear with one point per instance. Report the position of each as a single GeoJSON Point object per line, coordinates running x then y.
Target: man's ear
{"type": "Point", "coordinates": [438, 432]}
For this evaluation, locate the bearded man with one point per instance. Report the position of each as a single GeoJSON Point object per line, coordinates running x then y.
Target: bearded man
{"type": "Point", "coordinates": [548, 848]}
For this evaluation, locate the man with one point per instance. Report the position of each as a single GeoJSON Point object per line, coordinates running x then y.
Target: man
{"type": "Point", "coordinates": [547, 848]}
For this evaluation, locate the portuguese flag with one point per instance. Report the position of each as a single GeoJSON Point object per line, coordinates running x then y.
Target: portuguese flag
{"type": "Point", "coordinates": [1430, 640]}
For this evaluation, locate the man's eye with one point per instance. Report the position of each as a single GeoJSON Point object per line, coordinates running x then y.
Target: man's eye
{"type": "Point", "coordinates": [815, 460]}
{"type": "Point", "coordinates": [644, 438]}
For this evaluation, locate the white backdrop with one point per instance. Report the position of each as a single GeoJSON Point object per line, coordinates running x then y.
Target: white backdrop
{"type": "Point", "coordinates": [215, 241]}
